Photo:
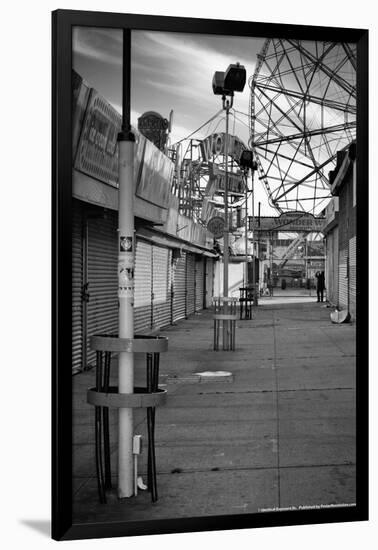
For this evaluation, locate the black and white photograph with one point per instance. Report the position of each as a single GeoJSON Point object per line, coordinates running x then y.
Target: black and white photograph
{"type": "Point", "coordinates": [216, 268]}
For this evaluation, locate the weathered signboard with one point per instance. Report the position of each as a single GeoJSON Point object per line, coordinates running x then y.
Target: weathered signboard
{"type": "Point", "coordinates": [217, 182]}
{"type": "Point", "coordinates": [216, 226]}
{"type": "Point", "coordinates": [215, 144]}
{"type": "Point", "coordinates": [97, 154]}
{"type": "Point", "coordinates": [207, 211]}
{"type": "Point", "coordinates": [288, 221]}
{"type": "Point", "coordinates": [153, 174]}
{"type": "Point", "coordinates": [80, 95]}
{"type": "Point", "coordinates": [154, 127]}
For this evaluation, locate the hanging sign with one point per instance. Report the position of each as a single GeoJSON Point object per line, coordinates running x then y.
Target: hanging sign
{"type": "Point", "coordinates": [155, 128]}
{"type": "Point", "coordinates": [288, 221]}
{"type": "Point", "coordinates": [215, 144]}
{"type": "Point", "coordinates": [216, 226]}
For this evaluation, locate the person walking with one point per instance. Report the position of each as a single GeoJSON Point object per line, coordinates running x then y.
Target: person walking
{"type": "Point", "coordinates": [320, 285]}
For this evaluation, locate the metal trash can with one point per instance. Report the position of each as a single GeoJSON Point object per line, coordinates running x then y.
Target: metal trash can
{"type": "Point", "coordinates": [224, 323]}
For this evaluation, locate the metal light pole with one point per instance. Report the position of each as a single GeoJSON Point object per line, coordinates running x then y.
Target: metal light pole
{"type": "Point", "coordinates": [271, 262]}
{"type": "Point", "coordinates": [225, 84]}
{"type": "Point", "coordinates": [126, 255]}
{"type": "Point", "coordinates": [246, 230]}
{"type": "Point", "coordinates": [246, 161]}
{"type": "Point", "coordinates": [253, 235]}
{"type": "Point", "coordinates": [227, 104]}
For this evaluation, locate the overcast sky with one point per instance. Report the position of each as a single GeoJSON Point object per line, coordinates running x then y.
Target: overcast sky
{"type": "Point", "coordinates": [171, 71]}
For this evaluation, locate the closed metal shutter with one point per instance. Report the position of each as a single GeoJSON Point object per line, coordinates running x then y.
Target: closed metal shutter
{"type": "Point", "coordinates": [102, 277]}
{"type": "Point", "coordinates": [352, 275]}
{"type": "Point", "coordinates": [170, 285]}
{"type": "Point", "coordinates": [335, 265]}
{"type": "Point", "coordinates": [161, 290]}
{"type": "Point", "coordinates": [329, 267]}
{"type": "Point", "coordinates": [190, 283]}
{"type": "Point", "coordinates": [77, 282]}
{"type": "Point", "coordinates": [200, 282]}
{"type": "Point", "coordinates": [143, 287]}
{"type": "Point", "coordinates": [332, 268]}
{"type": "Point", "coordinates": [209, 281]}
{"type": "Point", "coordinates": [172, 265]}
{"type": "Point", "coordinates": [343, 279]}
{"type": "Point", "coordinates": [179, 287]}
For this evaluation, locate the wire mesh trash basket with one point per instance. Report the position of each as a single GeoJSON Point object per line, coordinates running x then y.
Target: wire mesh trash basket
{"type": "Point", "coordinates": [103, 396]}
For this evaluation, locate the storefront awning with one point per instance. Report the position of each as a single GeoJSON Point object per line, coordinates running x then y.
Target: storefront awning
{"type": "Point", "coordinates": [170, 241]}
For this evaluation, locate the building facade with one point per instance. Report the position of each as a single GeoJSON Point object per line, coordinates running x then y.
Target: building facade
{"type": "Point", "coordinates": [174, 257]}
{"type": "Point", "coordinates": [340, 233]}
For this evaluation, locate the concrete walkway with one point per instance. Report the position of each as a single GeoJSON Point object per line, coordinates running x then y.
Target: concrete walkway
{"type": "Point", "coordinates": [278, 433]}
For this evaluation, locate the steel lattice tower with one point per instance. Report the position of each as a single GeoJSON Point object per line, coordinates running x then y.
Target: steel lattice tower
{"type": "Point", "coordinates": [302, 111]}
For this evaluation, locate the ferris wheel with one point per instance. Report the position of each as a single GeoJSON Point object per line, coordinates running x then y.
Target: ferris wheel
{"type": "Point", "coordinates": [302, 112]}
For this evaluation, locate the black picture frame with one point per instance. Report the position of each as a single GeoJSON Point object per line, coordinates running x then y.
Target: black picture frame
{"type": "Point", "coordinates": [62, 23]}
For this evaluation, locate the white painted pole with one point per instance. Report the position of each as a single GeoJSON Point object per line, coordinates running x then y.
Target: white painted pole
{"type": "Point", "coordinates": [126, 264]}
{"type": "Point", "coordinates": [126, 314]}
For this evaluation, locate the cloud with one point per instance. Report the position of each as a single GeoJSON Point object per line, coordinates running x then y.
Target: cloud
{"type": "Point", "coordinates": [103, 45]}
{"type": "Point", "coordinates": [172, 70]}
{"type": "Point", "coordinates": [169, 71]}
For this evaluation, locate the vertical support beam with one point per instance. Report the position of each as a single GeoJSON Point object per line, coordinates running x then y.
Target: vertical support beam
{"type": "Point", "coordinates": [246, 230]}
{"type": "Point", "coordinates": [126, 263]}
{"type": "Point", "coordinates": [257, 249]}
{"type": "Point", "coordinates": [226, 324]}
{"type": "Point", "coordinates": [253, 231]}
{"type": "Point", "coordinates": [271, 260]}
{"type": "Point", "coordinates": [226, 220]}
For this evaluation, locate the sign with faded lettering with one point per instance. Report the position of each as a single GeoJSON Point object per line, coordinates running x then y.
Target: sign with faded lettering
{"type": "Point", "coordinates": [217, 181]}
{"type": "Point", "coordinates": [153, 173]}
{"type": "Point", "coordinates": [154, 127]}
{"type": "Point", "coordinates": [80, 95]}
{"type": "Point", "coordinates": [215, 144]}
{"type": "Point", "coordinates": [97, 154]}
{"type": "Point", "coordinates": [288, 221]}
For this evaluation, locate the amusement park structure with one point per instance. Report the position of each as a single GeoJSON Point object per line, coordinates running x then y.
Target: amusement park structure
{"type": "Point", "coordinates": [200, 178]}
{"type": "Point", "coordinates": [302, 112]}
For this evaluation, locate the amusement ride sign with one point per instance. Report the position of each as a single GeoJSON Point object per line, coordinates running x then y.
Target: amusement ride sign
{"type": "Point", "coordinates": [288, 221]}
{"type": "Point", "coordinates": [216, 145]}
{"type": "Point", "coordinates": [213, 146]}
{"type": "Point", "coordinates": [217, 181]}
{"type": "Point", "coordinates": [154, 127]}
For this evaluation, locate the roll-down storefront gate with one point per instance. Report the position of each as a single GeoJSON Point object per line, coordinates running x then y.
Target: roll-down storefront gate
{"type": "Point", "coordinates": [179, 285]}
{"type": "Point", "coordinates": [170, 283]}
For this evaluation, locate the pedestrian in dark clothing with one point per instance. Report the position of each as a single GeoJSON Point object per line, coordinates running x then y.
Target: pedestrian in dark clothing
{"type": "Point", "coordinates": [320, 285]}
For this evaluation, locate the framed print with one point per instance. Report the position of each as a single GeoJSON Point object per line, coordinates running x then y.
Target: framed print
{"type": "Point", "coordinates": [210, 234]}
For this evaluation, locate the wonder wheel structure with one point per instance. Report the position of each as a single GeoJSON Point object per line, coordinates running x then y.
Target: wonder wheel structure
{"type": "Point", "coordinates": [302, 112]}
